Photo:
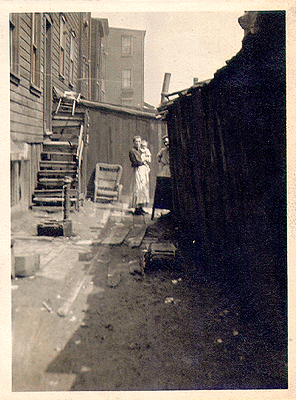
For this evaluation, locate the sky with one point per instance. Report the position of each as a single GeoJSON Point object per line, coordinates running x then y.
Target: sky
{"type": "Point", "coordinates": [185, 44]}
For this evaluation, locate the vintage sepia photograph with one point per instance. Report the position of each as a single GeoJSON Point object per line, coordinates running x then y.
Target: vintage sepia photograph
{"type": "Point", "coordinates": [148, 201]}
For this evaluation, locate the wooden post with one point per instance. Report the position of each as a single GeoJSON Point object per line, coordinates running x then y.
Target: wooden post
{"type": "Point", "coordinates": [67, 204]}
{"type": "Point", "coordinates": [12, 258]}
{"type": "Point", "coordinates": [165, 86]}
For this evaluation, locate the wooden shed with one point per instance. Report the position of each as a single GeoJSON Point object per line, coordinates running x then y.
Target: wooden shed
{"type": "Point", "coordinates": [111, 132]}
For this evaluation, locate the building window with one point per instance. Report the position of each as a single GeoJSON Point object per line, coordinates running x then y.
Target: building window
{"type": "Point", "coordinates": [88, 86]}
{"type": "Point", "coordinates": [15, 182]}
{"type": "Point", "coordinates": [126, 102]}
{"type": "Point", "coordinates": [62, 45]}
{"type": "Point", "coordinates": [14, 47]}
{"type": "Point", "coordinates": [126, 79]}
{"type": "Point", "coordinates": [126, 45]}
{"type": "Point", "coordinates": [72, 57]}
{"type": "Point", "coordinates": [97, 74]}
{"type": "Point", "coordinates": [98, 83]}
{"type": "Point", "coordinates": [83, 67]}
{"type": "Point", "coordinates": [103, 90]}
{"type": "Point", "coordinates": [35, 49]}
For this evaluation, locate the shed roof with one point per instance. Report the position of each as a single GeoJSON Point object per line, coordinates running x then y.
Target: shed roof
{"type": "Point", "coordinates": [120, 109]}
{"type": "Point", "coordinates": [162, 109]}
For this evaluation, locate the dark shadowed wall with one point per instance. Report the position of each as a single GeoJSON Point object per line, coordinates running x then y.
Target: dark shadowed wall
{"type": "Point", "coordinates": [228, 162]}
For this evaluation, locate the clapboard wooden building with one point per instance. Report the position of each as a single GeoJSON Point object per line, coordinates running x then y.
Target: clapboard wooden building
{"type": "Point", "coordinates": [49, 68]}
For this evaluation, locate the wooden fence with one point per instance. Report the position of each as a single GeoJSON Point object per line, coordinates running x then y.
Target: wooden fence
{"type": "Point", "coordinates": [228, 164]}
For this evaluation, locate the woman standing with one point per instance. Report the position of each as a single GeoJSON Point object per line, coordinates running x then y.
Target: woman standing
{"type": "Point", "coordinates": [140, 182]}
{"type": "Point", "coordinates": [163, 158]}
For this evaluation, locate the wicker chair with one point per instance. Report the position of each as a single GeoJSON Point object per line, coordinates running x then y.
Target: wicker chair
{"type": "Point", "coordinates": [107, 182]}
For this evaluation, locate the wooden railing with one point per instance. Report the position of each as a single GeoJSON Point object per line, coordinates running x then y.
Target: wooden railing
{"type": "Point", "coordinates": [79, 158]}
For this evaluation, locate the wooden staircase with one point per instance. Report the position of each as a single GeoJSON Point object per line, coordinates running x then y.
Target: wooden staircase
{"type": "Point", "coordinates": [62, 156]}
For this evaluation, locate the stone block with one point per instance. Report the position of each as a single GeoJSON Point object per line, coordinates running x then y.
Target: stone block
{"type": "Point", "coordinates": [114, 279]}
{"type": "Point", "coordinates": [135, 267]}
{"type": "Point", "coordinates": [88, 256]}
{"type": "Point", "coordinates": [55, 228]}
{"type": "Point", "coordinates": [160, 253]}
{"type": "Point", "coordinates": [161, 249]}
{"type": "Point", "coordinates": [27, 264]}
{"type": "Point", "coordinates": [67, 228]}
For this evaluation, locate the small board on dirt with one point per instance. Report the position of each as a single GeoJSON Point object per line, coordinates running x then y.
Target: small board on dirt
{"type": "Point", "coordinates": [117, 235]}
{"type": "Point", "coordinates": [136, 235]}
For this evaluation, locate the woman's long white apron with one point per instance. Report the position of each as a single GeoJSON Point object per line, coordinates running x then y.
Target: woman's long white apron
{"type": "Point", "coordinates": [140, 187]}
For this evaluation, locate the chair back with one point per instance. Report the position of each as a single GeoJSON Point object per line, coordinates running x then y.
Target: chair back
{"type": "Point", "coordinates": [107, 180]}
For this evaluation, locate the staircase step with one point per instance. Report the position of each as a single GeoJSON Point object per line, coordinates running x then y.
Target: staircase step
{"type": "Point", "coordinates": [50, 191]}
{"type": "Point", "coordinates": [38, 199]}
{"type": "Point", "coordinates": [59, 162]}
{"type": "Point", "coordinates": [69, 104]}
{"type": "Point", "coordinates": [58, 156]}
{"type": "Point", "coordinates": [56, 208]}
{"type": "Point", "coordinates": [64, 137]}
{"type": "Point", "coordinates": [56, 143]}
{"type": "Point", "coordinates": [66, 104]}
{"type": "Point", "coordinates": [65, 141]}
{"type": "Point", "coordinates": [71, 131]}
{"type": "Point", "coordinates": [59, 172]}
{"type": "Point", "coordinates": [67, 111]}
{"type": "Point", "coordinates": [57, 117]}
{"type": "Point", "coordinates": [57, 165]}
{"type": "Point", "coordinates": [73, 118]}
{"type": "Point", "coordinates": [57, 123]}
{"type": "Point", "coordinates": [53, 182]}
{"type": "Point", "coordinates": [60, 147]}
{"type": "Point", "coordinates": [54, 193]}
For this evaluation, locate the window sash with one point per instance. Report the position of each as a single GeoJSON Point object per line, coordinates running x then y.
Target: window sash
{"type": "Point", "coordinates": [15, 185]}
{"type": "Point", "coordinates": [35, 49]}
{"type": "Point", "coordinates": [71, 72]}
{"type": "Point", "coordinates": [14, 43]}
{"type": "Point", "coordinates": [126, 102]}
{"type": "Point", "coordinates": [62, 46]}
{"type": "Point", "coordinates": [126, 78]}
{"type": "Point", "coordinates": [72, 55]}
{"type": "Point", "coordinates": [126, 45]}
{"type": "Point", "coordinates": [83, 67]}
{"type": "Point", "coordinates": [72, 47]}
{"type": "Point", "coordinates": [103, 90]}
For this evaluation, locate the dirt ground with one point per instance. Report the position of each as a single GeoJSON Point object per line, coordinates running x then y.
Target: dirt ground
{"type": "Point", "coordinates": [134, 340]}
{"type": "Point", "coordinates": [166, 329]}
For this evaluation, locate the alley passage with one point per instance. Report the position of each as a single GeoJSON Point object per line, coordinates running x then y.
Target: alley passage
{"type": "Point", "coordinates": [165, 332]}
{"type": "Point", "coordinates": [162, 330]}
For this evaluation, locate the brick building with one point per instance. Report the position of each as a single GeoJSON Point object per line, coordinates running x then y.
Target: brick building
{"type": "Point", "coordinates": [125, 67]}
